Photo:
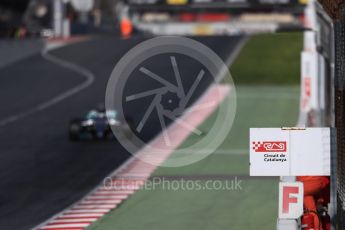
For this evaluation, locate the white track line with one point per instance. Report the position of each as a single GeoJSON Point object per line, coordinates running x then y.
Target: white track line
{"type": "Point", "coordinates": [83, 207]}
{"type": "Point", "coordinates": [84, 220]}
{"type": "Point", "coordinates": [110, 192]}
{"type": "Point", "coordinates": [73, 216]}
{"type": "Point", "coordinates": [89, 79]}
{"type": "Point", "coordinates": [89, 211]}
{"type": "Point", "coordinates": [101, 202]}
{"type": "Point", "coordinates": [65, 226]}
{"type": "Point", "coordinates": [236, 51]}
{"type": "Point", "coordinates": [108, 197]}
{"type": "Point", "coordinates": [105, 198]}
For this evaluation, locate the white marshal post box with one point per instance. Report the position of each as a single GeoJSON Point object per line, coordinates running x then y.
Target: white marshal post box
{"type": "Point", "coordinates": [290, 151]}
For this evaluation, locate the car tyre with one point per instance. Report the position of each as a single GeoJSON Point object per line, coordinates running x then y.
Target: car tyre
{"type": "Point", "coordinates": [74, 131]}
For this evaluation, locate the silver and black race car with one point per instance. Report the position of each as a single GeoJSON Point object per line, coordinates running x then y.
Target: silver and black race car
{"type": "Point", "coordinates": [97, 125]}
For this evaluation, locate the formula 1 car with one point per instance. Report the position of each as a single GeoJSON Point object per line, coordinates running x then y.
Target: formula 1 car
{"type": "Point", "coordinates": [97, 125]}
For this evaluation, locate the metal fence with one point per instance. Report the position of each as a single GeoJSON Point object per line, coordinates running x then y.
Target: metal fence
{"type": "Point", "coordinates": [339, 34]}
{"type": "Point", "coordinates": [336, 10]}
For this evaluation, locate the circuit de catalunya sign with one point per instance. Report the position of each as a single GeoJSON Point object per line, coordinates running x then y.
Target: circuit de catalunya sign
{"type": "Point", "coordinates": [290, 151]}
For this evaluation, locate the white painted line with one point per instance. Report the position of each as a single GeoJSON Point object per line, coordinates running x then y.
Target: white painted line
{"type": "Point", "coordinates": [68, 216]}
{"type": "Point", "coordinates": [135, 175]}
{"type": "Point", "coordinates": [89, 79]}
{"type": "Point", "coordinates": [122, 186]}
{"type": "Point", "coordinates": [77, 207]}
{"type": "Point", "coordinates": [65, 226]}
{"type": "Point", "coordinates": [89, 220]}
{"type": "Point", "coordinates": [107, 197]}
{"type": "Point", "coordinates": [233, 55]}
{"type": "Point", "coordinates": [116, 197]}
{"type": "Point", "coordinates": [88, 211]}
{"type": "Point", "coordinates": [110, 192]}
{"type": "Point", "coordinates": [112, 189]}
{"type": "Point", "coordinates": [128, 182]}
{"type": "Point", "coordinates": [101, 202]}
{"type": "Point", "coordinates": [126, 187]}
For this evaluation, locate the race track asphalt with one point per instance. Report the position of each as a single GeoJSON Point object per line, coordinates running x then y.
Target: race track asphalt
{"type": "Point", "coordinates": [41, 171]}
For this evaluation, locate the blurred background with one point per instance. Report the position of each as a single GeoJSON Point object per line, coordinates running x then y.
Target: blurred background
{"type": "Point", "coordinates": [43, 18]}
{"type": "Point", "coordinates": [36, 18]}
